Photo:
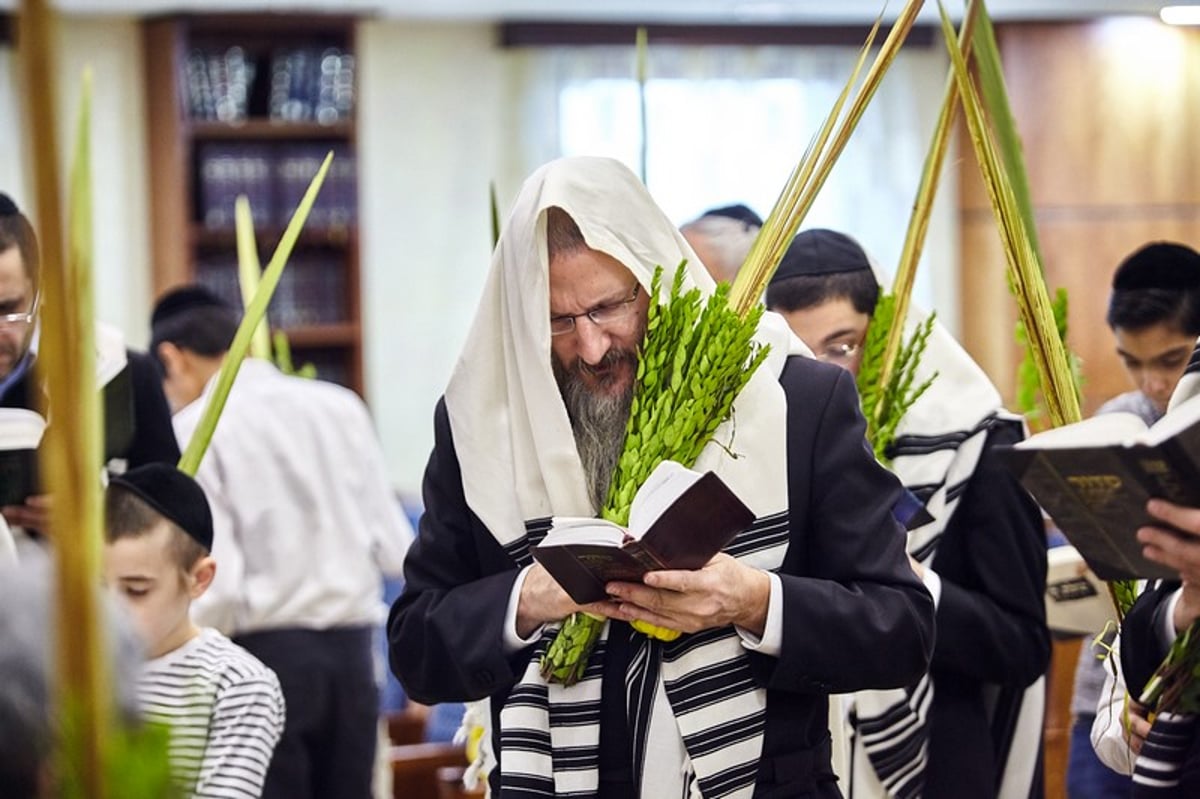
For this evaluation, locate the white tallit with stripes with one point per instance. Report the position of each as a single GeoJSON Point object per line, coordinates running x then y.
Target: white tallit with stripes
{"type": "Point", "coordinates": [693, 697]}
{"type": "Point", "coordinates": [937, 448]}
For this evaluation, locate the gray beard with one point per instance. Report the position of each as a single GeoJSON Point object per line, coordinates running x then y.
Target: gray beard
{"type": "Point", "coordinates": [598, 423]}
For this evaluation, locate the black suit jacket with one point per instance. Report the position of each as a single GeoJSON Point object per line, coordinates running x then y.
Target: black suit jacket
{"type": "Point", "coordinates": [854, 614]}
{"type": "Point", "coordinates": [992, 640]}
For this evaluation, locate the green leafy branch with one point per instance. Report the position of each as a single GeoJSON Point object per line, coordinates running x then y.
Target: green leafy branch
{"type": "Point", "coordinates": [885, 405]}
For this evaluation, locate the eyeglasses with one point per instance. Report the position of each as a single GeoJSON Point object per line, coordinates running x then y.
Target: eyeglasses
{"type": "Point", "coordinates": [842, 352]}
{"type": "Point", "coordinates": [22, 318]}
{"type": "Point", "coordinates": [601, 316]}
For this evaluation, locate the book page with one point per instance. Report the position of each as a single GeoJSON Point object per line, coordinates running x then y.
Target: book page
{"type": "Point", "coordinates": [665, 484]}
{"type": "Point", "coordinates": [583, 530]}
{"type": "Point", "coordinates": [1176, 421]}
{"type": "Point", "coordinates": [1108, 428]}
{"type": "Point", "coordinates": [20, 428]}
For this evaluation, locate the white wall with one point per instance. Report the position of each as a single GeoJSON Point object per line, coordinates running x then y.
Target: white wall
{"type": "Point", "coordinates": [433, 131]}
{"type": "Point", "coordinates": [111, 46]}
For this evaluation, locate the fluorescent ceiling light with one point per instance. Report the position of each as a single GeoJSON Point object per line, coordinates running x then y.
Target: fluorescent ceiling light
{"type": "Point", "coordinates": [1180, 15]}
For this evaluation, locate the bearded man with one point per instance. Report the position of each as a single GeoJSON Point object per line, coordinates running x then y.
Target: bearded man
{"type": "Point", "coordinates": [815, 596]}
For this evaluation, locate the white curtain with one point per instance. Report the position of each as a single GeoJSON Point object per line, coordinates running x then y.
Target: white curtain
{"type": "Point", "coordinates": [727, 124]}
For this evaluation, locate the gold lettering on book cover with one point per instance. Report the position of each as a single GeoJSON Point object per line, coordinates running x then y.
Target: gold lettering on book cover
{"type": "Point", "coordinates": [1095, 489]}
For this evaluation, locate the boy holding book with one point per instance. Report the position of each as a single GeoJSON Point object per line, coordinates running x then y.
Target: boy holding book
{"type": "Point", "coordinates": [224, 707]}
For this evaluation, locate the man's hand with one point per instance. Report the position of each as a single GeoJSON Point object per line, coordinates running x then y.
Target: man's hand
{"type": "Point", "coordinates": [917, 568]}
{"type": "Point", "coordinates": [1178, 549]}
{"type": "Point", "coordinates": [543, 600]}
{"type": "Point", "coordinates": [724, 592]}
{"type": "Point", "coordinates": [33, 515]}
{"type": "Point", "coordinates": [1135, 725]}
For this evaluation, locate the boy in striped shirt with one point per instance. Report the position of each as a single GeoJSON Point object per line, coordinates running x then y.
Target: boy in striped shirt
{"type": "Point", "coordinates": [224, 707]}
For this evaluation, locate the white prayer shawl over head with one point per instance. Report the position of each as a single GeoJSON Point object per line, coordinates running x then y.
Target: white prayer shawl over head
{"type": "Point", "coordinates": [520, 467]}
{"type": "Point", "coordinates": [936, 450]}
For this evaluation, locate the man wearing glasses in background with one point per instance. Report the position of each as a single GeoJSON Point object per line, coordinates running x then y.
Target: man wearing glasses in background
{"type": "Point", "coordinates": [972, 726]}
{"type": "Point", "coordinates": [135, 394]}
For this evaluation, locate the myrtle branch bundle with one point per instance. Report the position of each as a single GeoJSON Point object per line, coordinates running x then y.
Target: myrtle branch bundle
{"type": "Point", "coordinates": [695, 360]}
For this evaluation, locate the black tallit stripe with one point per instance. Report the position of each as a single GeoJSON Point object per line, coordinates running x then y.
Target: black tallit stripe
{"type": "Point", "coordinates": [926, 550]}
{"type": "Point", "coordinates": [684, 644]}
{"type": "Point", "coordinates": [725, 782]}
{"type": "Point", "coordinates": [574, 758]}
{"type": "Point", "coordinates": [924, 492]}
{"type": "Point", "coordinates": [924, 445]}
{"type": "Point", "coordinates": [915, 696]}
{"type": "Point", "coordinates": [731, 732]}
{"type": "Point", "coordinates": [710, 685]}
{"type": "Point", "coordinates": [525, 785]}
{"type": "Point", "coordinates": [641, 684]}
{"type": "Point", "coordinates": [1005, 714]}
{"type": "Point", "coordinates": [956, 491]}
{"type": "Point", "coordinates": [770, 531]}
{"type": "Point", "coordinates": [526, 740]}
{"type": "Point", "coordinates": [577, 715]}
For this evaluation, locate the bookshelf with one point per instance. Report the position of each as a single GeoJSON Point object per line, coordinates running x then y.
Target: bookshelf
{"type": "Point", "coordinates": [250, 104]}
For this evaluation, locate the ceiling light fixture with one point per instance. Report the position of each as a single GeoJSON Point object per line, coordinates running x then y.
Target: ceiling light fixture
{"type": "Point", "coordinates": [1180, 15]}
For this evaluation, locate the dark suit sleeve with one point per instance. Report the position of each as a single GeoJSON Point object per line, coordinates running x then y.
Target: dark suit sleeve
{"type": "Point", "coordinates": [153, 436]}
{"type": "Point", "coordinates": [1142, 651]}
{"type": "Point", "coordinates": [991, 618]}
{"type": "Point", "coordinates": [855, 616]}
{"type": "Point", "coordinates": [445, 631]}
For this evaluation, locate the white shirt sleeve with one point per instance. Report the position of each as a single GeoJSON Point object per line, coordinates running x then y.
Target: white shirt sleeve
{"type": "Point", "coordinates": [771, 642]}
{"type": "Point", "coordinates": [1108, 730]}
{"type": "Point", "coordinates": [513, 641]}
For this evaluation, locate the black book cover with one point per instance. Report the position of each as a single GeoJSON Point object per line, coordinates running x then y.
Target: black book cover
{"type": "Point", "coordinates": [697, 525]}
{"type": "Point", "coordinates": [1097, 496]}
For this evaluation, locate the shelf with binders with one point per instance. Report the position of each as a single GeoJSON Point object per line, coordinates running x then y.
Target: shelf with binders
{"type": "Point", "coordinates": [250, 104]}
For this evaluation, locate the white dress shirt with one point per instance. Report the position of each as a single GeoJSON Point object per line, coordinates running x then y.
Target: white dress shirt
{"type": "Point", "coordinates": [305, 524]}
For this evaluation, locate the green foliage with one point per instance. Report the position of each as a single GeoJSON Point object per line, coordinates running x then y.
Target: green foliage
{"type": "Point", "coordinates": [885, 406]}
{"type": "Point", "coordinates": [695, 360]}
{"type": "Point", "coordinates": [1175, 686]}
{"type": "Point", "coordinates": [136, 761]}
{"type": "Point", "coordinates": [283, 358]}
{"type": "Point", "coordinates": [1029, 399]}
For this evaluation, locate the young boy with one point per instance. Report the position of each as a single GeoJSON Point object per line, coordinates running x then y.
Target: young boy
{"type": "Point", "coordinates": [224, 707]}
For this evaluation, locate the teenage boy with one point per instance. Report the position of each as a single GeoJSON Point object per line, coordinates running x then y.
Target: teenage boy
{"type": "Point", "coordinates": [972, 725]}
{"type": "Point", "coordinates": [223, 706]}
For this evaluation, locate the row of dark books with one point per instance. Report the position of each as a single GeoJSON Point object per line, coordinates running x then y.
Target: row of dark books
{"type": "Point", "coordinates": [274, 177]}
{"type": "Point", "coordinates": [311, 290]}
{"type": "Point", "coordinates": [295, 84]}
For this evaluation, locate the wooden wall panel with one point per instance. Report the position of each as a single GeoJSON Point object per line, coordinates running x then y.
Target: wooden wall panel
{"type": "Point", "coordinates": [1109, 112]}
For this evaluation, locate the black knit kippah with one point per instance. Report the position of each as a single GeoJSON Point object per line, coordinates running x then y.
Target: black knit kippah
{"type": "Point", "coordinates": [184, 299]}
{"type": "Point", "coordinates": [1161, 265]}
{"type": "Point", "coordinates": [7, 206]}
{"type": "Point", "coordinates": [739, 212]}
{"type": "Point", "coordinates": [173, 494]}
{"type": "Point", "coordinates": [821, 252]}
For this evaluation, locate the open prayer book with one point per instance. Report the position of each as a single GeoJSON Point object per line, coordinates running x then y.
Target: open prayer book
{"type": "Point", "coordinates": [20, 433]}
{"type": "Point", "coordinates": [1094, 478]}
{"type": "Point", "coordinates": [680, 519]}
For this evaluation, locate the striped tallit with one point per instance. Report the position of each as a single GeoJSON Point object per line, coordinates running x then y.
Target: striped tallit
{"type": "Point", "coordinates": [690, 701]}
{"type": "Point", "coordinates": [936, 451]}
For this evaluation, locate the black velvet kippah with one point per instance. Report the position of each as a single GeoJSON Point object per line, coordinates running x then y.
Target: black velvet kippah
{"type": "Point", "coordinates": [184, 299]}
{"type": "Point", "coordinates": [7, 206]}
{"type": "Point", "coordinates": [821, 252]}
{"type": "Point", "coordinates": [1161, 265]}
{"type": "Point", "coordinates": [739, 212]}
{"type": "Point", "coordinates": [173, 494]}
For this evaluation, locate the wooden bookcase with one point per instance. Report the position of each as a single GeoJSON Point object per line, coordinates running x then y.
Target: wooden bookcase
{"type": "Point", "coordinates": [283, 89]}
